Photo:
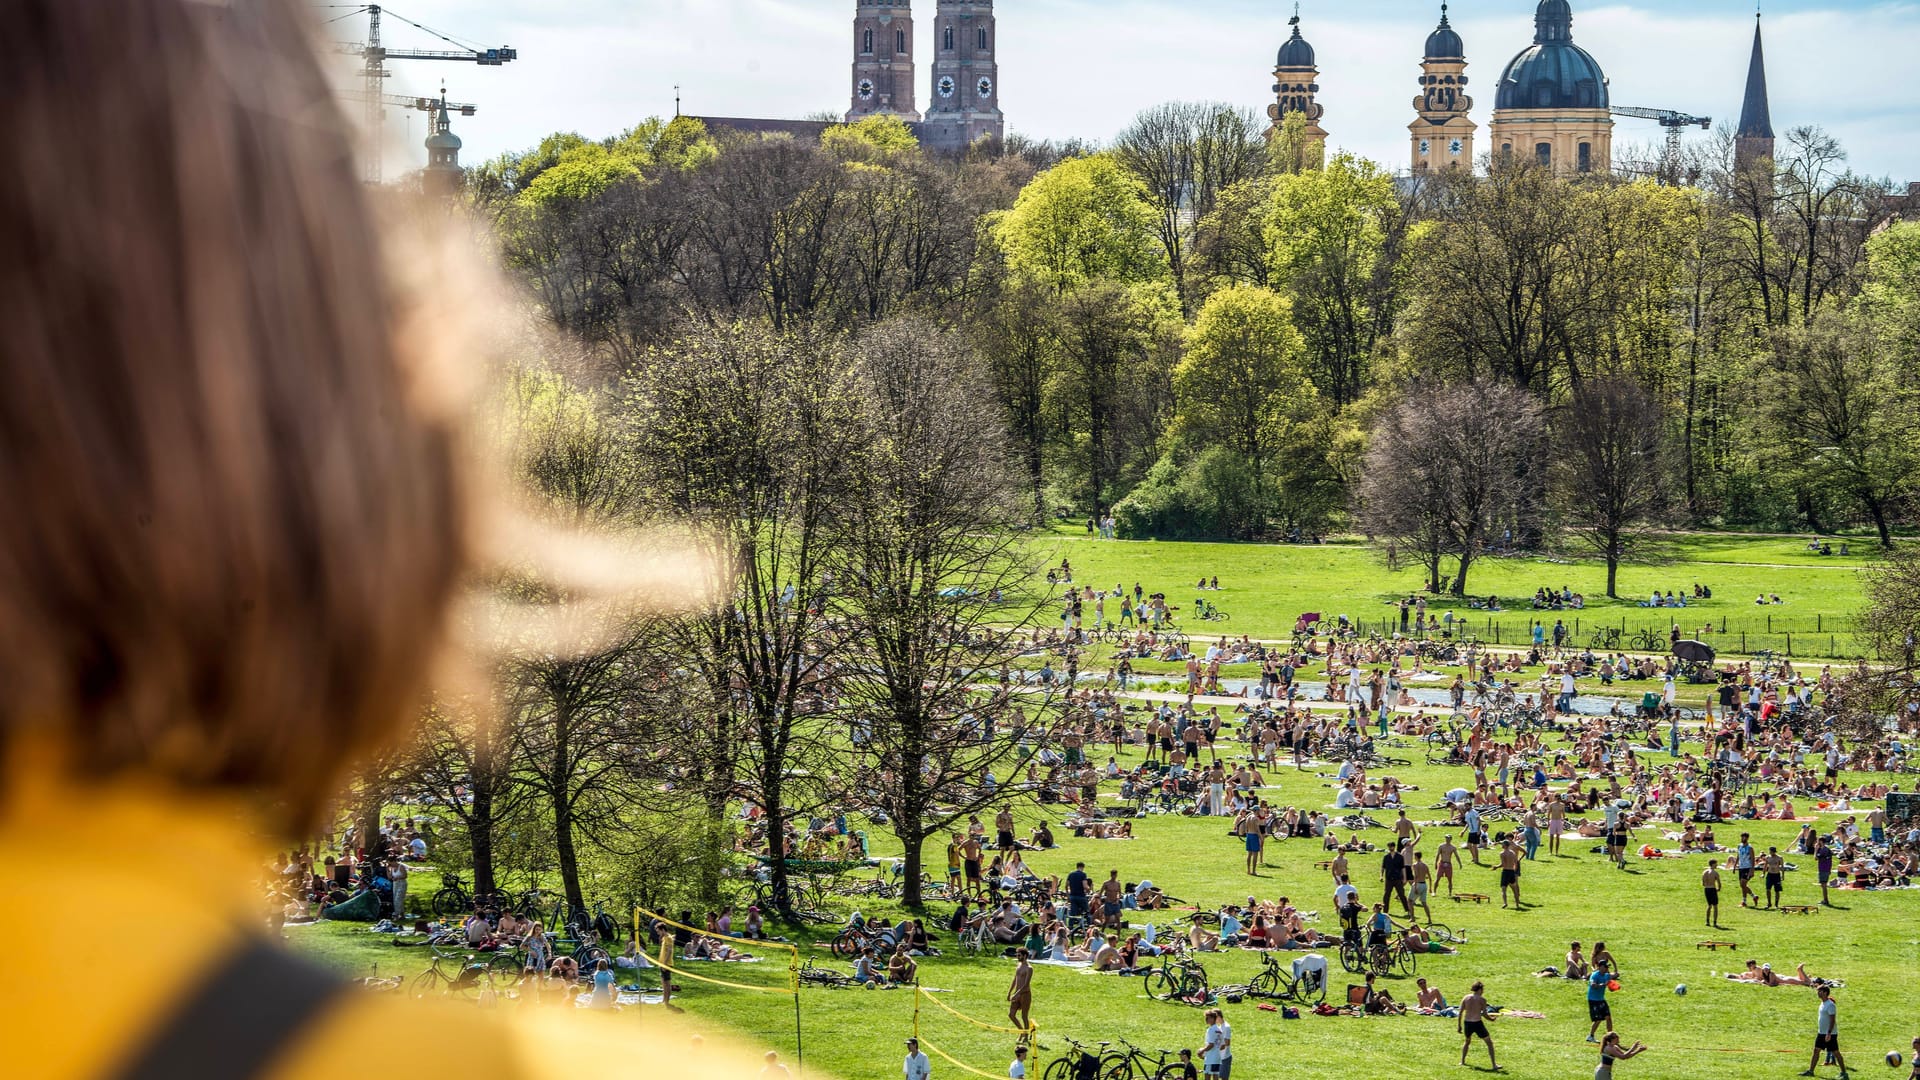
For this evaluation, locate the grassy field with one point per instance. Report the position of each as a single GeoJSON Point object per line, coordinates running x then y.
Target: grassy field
{"type": "Point", "coordinates": [1650, 916]}
{"type": "Point", "coordinates": [1264, 587]}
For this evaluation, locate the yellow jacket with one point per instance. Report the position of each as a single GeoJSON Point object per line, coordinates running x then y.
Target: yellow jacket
{"type": "Point", "coordinates": [120, 899]}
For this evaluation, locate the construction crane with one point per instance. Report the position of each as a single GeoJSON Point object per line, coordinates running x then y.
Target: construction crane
{"type": "Point", "coordinates": [1673, 122]}
{"type": "Point", "coordinates": [417, 104]}
{"type": "Point", "coordinates": [374, 56]}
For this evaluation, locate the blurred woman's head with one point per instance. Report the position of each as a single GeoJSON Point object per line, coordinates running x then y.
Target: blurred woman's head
{"type": "Point", "coordinates": [233, 526]}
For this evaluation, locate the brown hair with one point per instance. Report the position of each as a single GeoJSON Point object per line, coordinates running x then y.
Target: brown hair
{"type": "Point", "coordinates": [232, 527]}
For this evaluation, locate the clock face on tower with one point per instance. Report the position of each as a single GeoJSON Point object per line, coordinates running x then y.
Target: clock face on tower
{"type": "Point", "coordinates": [864, 89]}
{"type": "Point", "coordinates": [947, 86]}
{"type": "Point", "coordinates": [1454, 146]}
{"type": "Point", "coordinates": [985, 87]}
{"type": "Point", "coordinates": [1425, 147]}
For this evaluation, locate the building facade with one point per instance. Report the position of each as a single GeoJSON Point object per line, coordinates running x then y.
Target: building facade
{"type": "Point", "coordinates": [965, 105]}
{"type": "Point", "coordinates": [882, 61]}
{"type": "Point", "coordinates": [1296, 89]}
{"type": "Point", "coordinates": [1442, 129]}
{"type": "Point", "coordinates": [1552, 105]}
{"type": "Point", "coordinates": [443, 176]}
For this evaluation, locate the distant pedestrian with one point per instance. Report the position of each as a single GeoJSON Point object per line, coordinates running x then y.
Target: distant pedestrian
{"type": "Point", "coordinates": [1020, 993]}
{"type": "Point", "coordinates": [1473, 1021]}
{"type": "Point", "coordinates": [916, 1066]}
{"type": "Point", "coordinates": [1827, 1034]}
{"type": "Point", "coordinates": [1710, 885]}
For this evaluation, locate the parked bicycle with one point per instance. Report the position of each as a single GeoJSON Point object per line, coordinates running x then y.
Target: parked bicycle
{"type": "Point", "coordinates": [1275, 981]}
{"type": "Point", "coordinates": [1178, 978]}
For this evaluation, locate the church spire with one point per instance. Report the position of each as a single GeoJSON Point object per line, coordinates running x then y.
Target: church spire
{"type": "Point", "coordinates": [1754, 138]}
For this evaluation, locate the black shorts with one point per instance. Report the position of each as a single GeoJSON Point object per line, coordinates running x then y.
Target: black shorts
{"type": "Point", "coordinates": [1713, 897]}
{"type": "Point", "coordinates": [1746, 874]}
{"type": "Point", "coordinates": [1509, 877]}
{"type": "Point", "coordinates": [1475, 1027]}
{"type": "Point", "coordinates": [973, 869]}
{"type": "Point", "coordinates": [1773, 881]}
{"type": "Point", "coordinates": [1597, 1010]}
{"type": "Point", "coordinates": [1475, 839]}
{"type": "Point", "coordinates": [1006, 841]}
{"type": "Point", "coordinates": [1827, 1042]}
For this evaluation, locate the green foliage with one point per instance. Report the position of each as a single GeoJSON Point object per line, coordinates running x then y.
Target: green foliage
{"type": "Point", "coordinates": [874, 139]}
{"type": "Point", "coordinates": [1082, 221]}
{"type": "Point", "coordinates": [580, 175]}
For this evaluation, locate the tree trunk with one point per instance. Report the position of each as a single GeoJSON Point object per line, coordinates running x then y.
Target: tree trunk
{"type": "Point", "coordinates": [1613, 566]}
{"type": "Point", "coordinates": [913, 837]}
{"type": "Point", "coordinates": [1460, 582]}
{"type": "Point", "coordinates": [480, 839]}
{"type": "Point", "coordinates": [366, 824]}
{"type": "Point", "coordinates": [775, 815]}
{"type": "Point", "coordinates": [564, 852]}
{"type": "Point", "coordinates": [1879, 511]}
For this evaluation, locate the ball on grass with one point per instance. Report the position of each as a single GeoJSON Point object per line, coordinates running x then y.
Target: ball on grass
{"type": "Point", "coordinates": [1681, 989]}
{"type": "Point", "coordinates": [1893, 1059]}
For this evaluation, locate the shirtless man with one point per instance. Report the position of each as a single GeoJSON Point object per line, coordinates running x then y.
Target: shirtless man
{"type": "Point", "coordinates": [1404, 830]}
{"type": "Point", "coordinates": [1003, 825]}
{"type": "Point", "coordinates": [1429, 997]}
{"type": "Point", "coordinates": [1509, 873]}
{"type": "Point", "coordinates": [1020, 992]}
{"type": "Point", "coordinates": [1710, 884]}
{"type": "Point", "coordinates": [1339, 865]}
{"type": "Point", "coordinates": [970, 855]}
{"type": "Point", "coordinates": [1443, 864]}
{"type": "Point", "coordinates": [1107, 956]}
{"type": "Point", "coordinates": [1110, 893]}
{"type": "Point", "coordinates": [1775, 868]}
{"type": "Point", "coordinates": [1422, 883]}
{"type": "Point", "coordinates": [1473, 1021]}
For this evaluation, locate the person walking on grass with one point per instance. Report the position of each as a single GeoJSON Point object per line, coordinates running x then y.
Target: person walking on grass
{"type": "Point", "coordinates": [1775, 868]}
{"type": "Point", "coordinates": [916, 1066]}
{"type": "Point", "coordinates": [1509, 873]}
{"type": "Point", "coordinates": [1020, 992]}
{"type": "Point", "coordinates": [1473, 1021]}
{"type": "Point", "coordinates": [1826, 1037]}
{"type": "Point", "coordinates": [1597, 1008]}
{"type": "Point", "coordinates": [1743, 869]}
{"type": "Point", "coordinates": [1710, 885]}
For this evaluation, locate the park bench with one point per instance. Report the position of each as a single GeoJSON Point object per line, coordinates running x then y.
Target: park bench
{"type": "Point", "coordinates": [1798, 909]}
{"type": "Point", "coordinates": [1478, 898]}
{"type": "Point", "coordinates": [1716, 946]}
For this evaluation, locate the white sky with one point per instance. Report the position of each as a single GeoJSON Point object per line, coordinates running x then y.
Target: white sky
{"type": "Point", "coordinates": [1084, 67]}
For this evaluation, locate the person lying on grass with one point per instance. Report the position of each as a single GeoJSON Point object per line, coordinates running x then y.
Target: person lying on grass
{"type": "Point", "coordinates": [1764, 975]}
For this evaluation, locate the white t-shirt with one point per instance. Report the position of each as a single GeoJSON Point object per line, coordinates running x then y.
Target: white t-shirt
{"type": "Point", "coordinates": [1566, 683]}
{"type": "Point", "coordinates": [1219, 1043]}
{"type": "Point", "coordinates": [1829, 1017]}
{"type": "Point", "coordinates": [1343, 894]}
{"type": "Point", "coordinates": [1017, 1070]}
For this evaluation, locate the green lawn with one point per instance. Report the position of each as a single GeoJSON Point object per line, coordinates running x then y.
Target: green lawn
{"type": "Point", "coordinates": [1650, 917]}
{"type": "Point", "coordinates": [1264, 587]}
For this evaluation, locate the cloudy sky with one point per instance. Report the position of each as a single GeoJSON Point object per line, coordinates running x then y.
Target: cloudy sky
{"type": "Point", "coordinates": [1082, 68]}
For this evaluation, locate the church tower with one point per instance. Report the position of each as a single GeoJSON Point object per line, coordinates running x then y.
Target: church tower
{"type": "Point", "coordinates": [1295, 85]}
{"type": "Point", "coordinates": [1551, 106]}
{"type": "Point", "coordinates": [1753, 141]}
{"type": "Point", "coordinates": [1443, 131]}
{"type": "Point", "coordinates": [882, 60]}
{"type": "Point", "coordinates": [965, 106]}
{"type": "Point", "coordinates": [443, 176]}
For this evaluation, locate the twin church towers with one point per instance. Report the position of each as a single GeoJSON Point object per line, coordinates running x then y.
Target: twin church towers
{"type": "Point", "coordinates": [964, 104]}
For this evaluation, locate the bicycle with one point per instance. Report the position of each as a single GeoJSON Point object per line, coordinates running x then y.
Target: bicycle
{"type": "Point", "coordinates": [1607, 637]}
{"type": "Point", "coordinates": [1138, 1064]}
{"type": "Point", "coordinates": [1275, 981]}
{"type": "Point", "coordinates": [824, 976]}
{"type": "Point", "coordinates": [1178, 979]}
{"type": "Point", "coordinates": [1078, 1061]}
{"type": "Point", "coordinates": [452, 897]}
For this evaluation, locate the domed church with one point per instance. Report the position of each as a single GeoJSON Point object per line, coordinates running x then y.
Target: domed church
{"type": "Point", "coordinates": [1551, 103]}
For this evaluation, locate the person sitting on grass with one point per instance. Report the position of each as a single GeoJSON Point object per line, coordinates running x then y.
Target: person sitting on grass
{"type": "Point", "coordinates": [867, 970]}
{"type": "Point", "coordinates": [901, 967]}
{"type": "Point", "coordinates": [1379, 1002]}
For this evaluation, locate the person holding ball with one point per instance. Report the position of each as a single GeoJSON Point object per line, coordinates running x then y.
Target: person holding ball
{"type": "Point", "coordinates": [1598, 1010]}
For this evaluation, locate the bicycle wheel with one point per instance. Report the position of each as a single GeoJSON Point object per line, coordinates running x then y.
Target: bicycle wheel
{"type": "Point", "coordinates": [590, 956]}
{"type": "Point", "coordinates": [1352, 958]}
{"type": "Point", "coordinates": [1058, 1069]}
{"type": "Point", "coordinates": [1266, 983]}
{"type": "Point", "coordinates": [451, 901]}
{"type": "Point", "coordinates": [1440, 932]}
{"type": "Point", "coordinates": [506, 966]}
{"type": "Point", "coordinates": [1312, 988]}
{"type": "Point", "coordinates": [426, 984]}
{"type": "Point", "coordinates": [449, 945]}
{"type": "Point", "coordinates": [847, 944]}
{"type": "Point", "coordinates": [1162, 986]}
{"type": "Point", "coordinates": [1407, 961]}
